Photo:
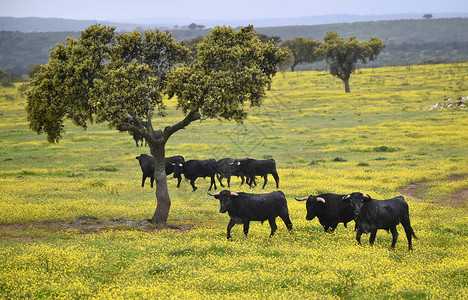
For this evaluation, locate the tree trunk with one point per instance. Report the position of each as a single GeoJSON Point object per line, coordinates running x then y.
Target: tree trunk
{"type": "Point", "coordinates": [157, 143]}
{"type": "Point", "coordinates": [162, 194]}
{"type": "Point", "coordinates": [346, 86]}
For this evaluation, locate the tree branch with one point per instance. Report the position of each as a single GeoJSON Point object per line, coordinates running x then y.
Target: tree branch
{"type": "Point", "coordinates": [137, 126]}
{"type": "Point", "coordinates": [148, 123]}
{"type": "Point", "coordinates": [189, 118]}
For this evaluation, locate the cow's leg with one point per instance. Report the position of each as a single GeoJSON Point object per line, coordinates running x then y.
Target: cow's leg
{"type": "Point", "coordinates": [275, 175]}
{"type": "Point", "coordinates": [358, 235]}
{"type": "Point", "coordinates": [228, 179]}
{"type": "Point", "coordinates": [249, 181]}
{"type": "Point", "coordinates": [372, 236]}
{"type": "Point", "coordinates": [284, 215]}
{"type": "Point", "coordinates": [213, 182]}
{"type": "Point", "coordinates": [242, 180]}
{"type": "Point", "coordinates": [179, 179]}
{"type": "Point", "coordinates": [394, 232]}
{"type": "Point", "coordinates": [220, 179]}
{"type": "Point", "coordinates": [272, 225]}
{"type": "Point", "coordinates": [246, 227]}
{"type": "Point", "coordinates": [408, 230]}
{"type": "Point", "coordinates": [192, 183]}
{"type": "Point", "coordinates": [409, 234]}
{"type": "Point", "coordinates": [333, 227]}
{"type": "Point", "coordinates": [152, 181]}
{"type": "Point", "coordinates": [143, 181]}
{"type": "Point", "coordinates": [265, 180]}
{"type": "Point", "coordinates": [230, 225]}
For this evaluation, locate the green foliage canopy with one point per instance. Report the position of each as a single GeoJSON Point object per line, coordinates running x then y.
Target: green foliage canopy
{"type": "Point", "coordinates": [232, 68]}
{"type": "Point", "coordinates": [103, 76]}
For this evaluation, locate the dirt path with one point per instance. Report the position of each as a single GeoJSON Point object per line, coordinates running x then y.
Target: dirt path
{"type": "Point", "coordinates": [82, 225]}
{"type": "Point", "coordinates": [457, 199]}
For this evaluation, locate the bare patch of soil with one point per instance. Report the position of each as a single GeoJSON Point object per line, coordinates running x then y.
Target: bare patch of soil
{"type": "Point", "coordinates": [458, 199]}
{"type": "Point", "coordinates": [83, 225]}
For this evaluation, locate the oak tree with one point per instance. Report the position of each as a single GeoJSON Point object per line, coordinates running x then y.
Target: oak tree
{"type": "Point", "coordinates": [121, 79]}
{"type": "Point", "coordinates": [342, 56]}
{"type": "Point", "coordinates": [303, 50]}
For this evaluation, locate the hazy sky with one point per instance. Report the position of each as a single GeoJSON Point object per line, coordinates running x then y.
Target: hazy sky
{"type": "Point", "coordinates": [110, 10]}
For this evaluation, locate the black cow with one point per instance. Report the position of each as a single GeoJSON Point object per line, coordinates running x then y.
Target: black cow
{"type": "Point", "coordinates": [244, 207]}
{"type": "Point", "coordinates": [225, 170]}
{"type": "Point", "coordinates": [147, 167]}
{"type": "Point", "coordinates": [329, 209]}
{"type": "Point", "coordinates": [192, 169]}
{"type": "Point", "coordinates": [252, 167]}
{"type": "Point", "coordinates": [170, 161]}
{"type": "Point", "coordinates": [371, 215]}
{"type": "Point", "coordinates": [138, 138]}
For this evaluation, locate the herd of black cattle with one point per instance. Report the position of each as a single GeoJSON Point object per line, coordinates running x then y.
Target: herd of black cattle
{"type": "Point", "coordinates": [331, 209]}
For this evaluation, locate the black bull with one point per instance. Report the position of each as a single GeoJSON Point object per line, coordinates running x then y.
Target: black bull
{"type": "Point", "coordinates": [147, 167]}
{"type": "Point", "coordinates": [245, 207]}
{"type": "Point", "coordinates": [330, 209]}
{"type": "Point", "coordinates": [371, 215]}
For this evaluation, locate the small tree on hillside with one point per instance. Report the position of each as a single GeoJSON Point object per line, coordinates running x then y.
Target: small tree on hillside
{"type": "Point", "coordinates": [194, 26]}
{"type": "Point", "coordinates": [287, 63]}
{"type": "Point", "coordinates": [303, 50]}
{"type": "Point", "coordinates": [427, 16]}
{"type": "Point", "coordinates": [342, 56]}
{"type": "Point", "coordinates": [120, 79]}
{"type": "Point", "coordinates": [34, 70]}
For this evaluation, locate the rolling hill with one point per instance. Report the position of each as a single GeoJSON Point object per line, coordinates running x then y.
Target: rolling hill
{"type": "Point", "coordinates": [408, 41]}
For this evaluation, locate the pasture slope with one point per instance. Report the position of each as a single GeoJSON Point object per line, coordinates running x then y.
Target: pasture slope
{"type": "Point", "coordinates": [376, 140]}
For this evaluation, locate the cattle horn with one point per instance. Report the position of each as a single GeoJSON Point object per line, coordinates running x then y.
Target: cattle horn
{"type": "Point", "coordinates": [302, 199]}
{"type": "Point", "coordinates": [320, 199]}
{"type": "Point", "coordinates": [346, 197]}
{"type": "Point", "coordinates": [233, 194]}
{"type": "Point", "coordinates": [214, 195]}
{"type": "Point", "coordinates": [366, 196]}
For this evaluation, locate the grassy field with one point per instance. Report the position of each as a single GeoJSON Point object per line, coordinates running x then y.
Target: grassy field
{"type": "Point", "coordinates": [378, 139]}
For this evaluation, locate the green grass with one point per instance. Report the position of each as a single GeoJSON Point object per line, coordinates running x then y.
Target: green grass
{"type": "Point", "coordinates": [376, 140]}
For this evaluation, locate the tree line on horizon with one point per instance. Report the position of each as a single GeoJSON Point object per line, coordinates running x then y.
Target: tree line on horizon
{"type": "Point", "coordinates": [428, 41]}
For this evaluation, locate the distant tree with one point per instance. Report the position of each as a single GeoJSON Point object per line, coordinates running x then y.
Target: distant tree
{"type": "Point", "coordinates": [342, 56]}
{"type": "Point", "coordinates": [427, 16]}
{"type": "Point", "coordinates": [266, 38]}
{"type": "Point", "coordinates": [303, 50]}
{"type": "Point", "coordinates": [194, 26]}
{"type": "Point", "coordinates": [287, 63]}
{"type": "Point", "coordinates": [7, 79]}
{"type": "Point", "coordinates": [192, 45]}
{"type": "Point", "coordinates": [34, 70]}
{"type": "Point", "coordinates": [121, 79]}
